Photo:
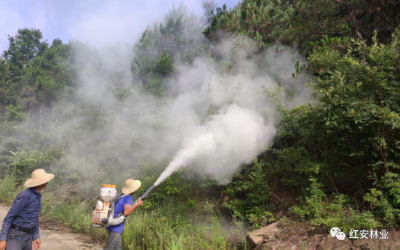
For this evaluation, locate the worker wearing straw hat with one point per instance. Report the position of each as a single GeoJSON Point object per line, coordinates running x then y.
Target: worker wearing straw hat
{"type": "Point", "coordinates": [124, 203]}
{"type": "Point", "coordinates": [21, 225]}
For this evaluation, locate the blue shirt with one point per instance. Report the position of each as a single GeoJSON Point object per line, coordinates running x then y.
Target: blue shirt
{"type": "Point", "coordinates": [24, 212]}
{"type": "Point", "coordinates": [119, 207]}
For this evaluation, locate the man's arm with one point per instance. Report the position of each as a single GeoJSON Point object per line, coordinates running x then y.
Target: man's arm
{"type": "Point", "coordinates": [129, 208]}
{"type": "Point", "coordinates": [15, 210]}
{"type": "Point", "coordinates": [35, 230]}
{"type": "Point", "coordinates": [36, 239]}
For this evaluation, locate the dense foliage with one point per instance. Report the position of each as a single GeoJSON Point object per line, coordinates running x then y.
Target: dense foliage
{"type": "Point", "coordinates": [301, 22]}
{"type": "Point", "coordinates": [334, 162]}
{"type": "Point", "coordinates": [347, 142]}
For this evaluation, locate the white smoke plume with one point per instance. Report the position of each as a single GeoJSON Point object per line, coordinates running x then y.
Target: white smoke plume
{"type": "Point", "coordinates": [218, 112]}
{"type": "Point", "coordinates": [215, 117]}
{"type": "Point", "coordinates": [244, 119]}
{"type": "Point", "coordinates": [229, 140]}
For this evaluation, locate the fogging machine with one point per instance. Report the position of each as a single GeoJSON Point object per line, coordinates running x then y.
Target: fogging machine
{"type": "Point", "coordinates": [103, 212]}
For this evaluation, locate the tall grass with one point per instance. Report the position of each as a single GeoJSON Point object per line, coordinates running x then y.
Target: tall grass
{"type": "Point", "coordinates": [8, 189]}
{"type": "Point", "coordinates": [74, 214]}
{"type": "Point", "coordinates": [163, 228]}
{"type": "Point", "coordinates": [160, 230]}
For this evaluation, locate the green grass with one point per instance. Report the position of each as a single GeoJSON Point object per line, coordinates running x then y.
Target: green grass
{"type": "Point", "coordinates": [167, 227]}
{"type": "Point", "coordinates": [162, 229]}
{"type": "Point", "coordinates": [8, 189]}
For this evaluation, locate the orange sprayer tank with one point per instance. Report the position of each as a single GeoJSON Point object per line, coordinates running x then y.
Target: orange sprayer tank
{"type": "Point", "coordinates": [102, 208]}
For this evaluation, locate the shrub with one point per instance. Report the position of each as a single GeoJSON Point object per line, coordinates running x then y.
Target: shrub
{"type": "Point", "coordinates": [318, 210]}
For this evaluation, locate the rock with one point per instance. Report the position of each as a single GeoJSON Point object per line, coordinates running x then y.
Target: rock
{"type": "Point", "coordinates": [329, 243]}
{"type": "Point", "coordinates": [325, 243]}
{"type": "Point", "coordinates": [268, 245]}
{"type": "Point", "coordinates": [255, 240]}
{"type": "Point", "coordinates": [368, 244]}
{"type": "Point", "coordinates": [260, 236]}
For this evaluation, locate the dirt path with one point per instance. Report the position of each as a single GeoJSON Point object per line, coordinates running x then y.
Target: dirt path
{"type": "Point", "coordinates": [52, 240]}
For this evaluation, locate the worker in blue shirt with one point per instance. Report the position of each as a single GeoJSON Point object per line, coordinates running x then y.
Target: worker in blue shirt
{"type": "Point", "coordinates": [126, 205]}
{"type": "Point", "coordinates": [21, 225]}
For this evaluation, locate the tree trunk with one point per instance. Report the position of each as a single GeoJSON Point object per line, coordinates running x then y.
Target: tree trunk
{"type": "Point", "coordinates": [382, 151]}
{"type": "Point", "coordinates": [350, 21]}
{"type": "Point", "coordinates": [353, 25]}
{"type": "Point", "coordinates": [29, 113]}
{"type": "Point", "coordinates": [41, 116]}
{"type": "Point", "coordinates": [348, 15]}
{"type": "Point", "coordinates": [54, 115]}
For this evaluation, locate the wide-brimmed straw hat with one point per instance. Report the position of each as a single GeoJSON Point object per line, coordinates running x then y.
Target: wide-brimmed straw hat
{"type": "Point", "coordinates": [39, 177]}
{"type": "Point", "coordinates": [131, 186]}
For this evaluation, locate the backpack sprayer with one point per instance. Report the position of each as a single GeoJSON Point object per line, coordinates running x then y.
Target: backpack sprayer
{"type": "Point", "coordinates": [103, 212]}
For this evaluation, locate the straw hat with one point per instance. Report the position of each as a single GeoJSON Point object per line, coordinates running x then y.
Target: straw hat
{"type": "Point", "coordinates": [39, 177]}
{"type": "Point", "coordinates": [131, 186]}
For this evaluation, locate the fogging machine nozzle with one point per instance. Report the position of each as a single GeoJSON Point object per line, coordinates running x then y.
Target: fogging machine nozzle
{"type": "Point", "coordinates": [148, 191]}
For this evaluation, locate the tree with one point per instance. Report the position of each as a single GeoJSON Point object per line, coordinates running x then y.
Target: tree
{"type": "Point", "coordinates": [208, 8]}
{"type": "Point", "coordinates": [263, 20]}
{"type": "Point", "coordinates": [178, 38]}
{"type": "Point", "coordinates": [3, 82]}
{"type": "Point", "coordinates": [302, 22]}
{"type": "Point", "coordinates": [45, 77]}
{"type": "Point", "coordinates": [23, 47]}
{"type": "Point", "coordinates": [350, 137]}
{"type": "Point", "coordinates": [359, 19]}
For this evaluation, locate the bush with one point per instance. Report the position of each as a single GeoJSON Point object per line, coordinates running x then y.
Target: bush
{"type": "Point", "coordinates": [7, 189]}
{"type": "Point", "coordinates": [318, 210]}
{"type": "Point", "coordinates": [14, 113]}
{"type": "Point", "coordinates": [385, 198]}
{"type": "Point", "coordinates": [248, 197]}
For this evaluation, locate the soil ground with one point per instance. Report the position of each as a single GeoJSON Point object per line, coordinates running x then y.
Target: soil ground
{"type": "Point", "coordinates": [301, 236]}
{"type": "Point", "coordinates": [55, 236]}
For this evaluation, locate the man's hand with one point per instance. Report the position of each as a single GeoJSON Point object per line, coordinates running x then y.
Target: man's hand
{"type": "Point", "coordinates": [36, 244]}
{"type": "Point", "coordinates": [3, 245]}
{"type": "Point", "coordinates": [130, 208]}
